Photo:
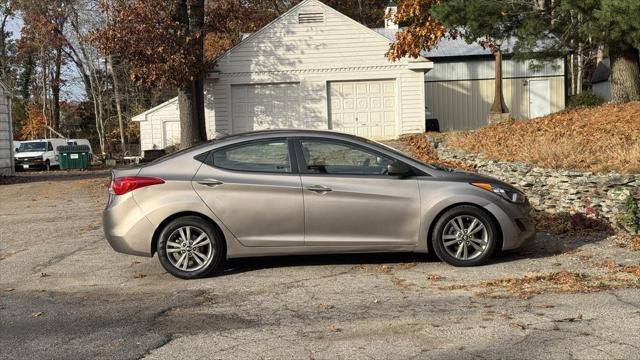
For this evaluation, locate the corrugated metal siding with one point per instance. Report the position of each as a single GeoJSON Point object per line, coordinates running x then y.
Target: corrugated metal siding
{"type": "Point", "coordinates": [485, 69]}
{"type": "Point", "coordinates": [465, 104]}
{"type": "Point", "coordinates": [6, 136]}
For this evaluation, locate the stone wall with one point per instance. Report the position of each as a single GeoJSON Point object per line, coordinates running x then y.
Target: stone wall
{"type": "Point", "coordinates": [551, 190]}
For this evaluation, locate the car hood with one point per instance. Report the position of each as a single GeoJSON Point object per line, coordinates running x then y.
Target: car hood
{"type": "Point", "coordinates": [466, 176]}
{"type": "Point", "coordinates": [29, 154]}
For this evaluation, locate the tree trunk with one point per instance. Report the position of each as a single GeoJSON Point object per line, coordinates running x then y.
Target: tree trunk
{"type": "Point", "coordinates": [190, 95]}
{"type": "Point", "coordinates": [116, 95]}
{"type": "Point", "coordinates": [580, 75]}
{"type": "Point", "coordinates": [625, 76]}
{"type": "Point", "coordinates": [55, 90]}
{"type": "Point", "coordinates": [499, 106]}
{"type": "Point", "coordinates": [189, 125]}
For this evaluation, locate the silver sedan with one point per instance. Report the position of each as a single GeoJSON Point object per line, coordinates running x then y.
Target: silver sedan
{"type": "Point", "coordinates": [286, 192]}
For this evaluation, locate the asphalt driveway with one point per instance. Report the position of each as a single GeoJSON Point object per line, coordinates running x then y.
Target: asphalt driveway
{"type": "Point", "coordinates": [64, 293]}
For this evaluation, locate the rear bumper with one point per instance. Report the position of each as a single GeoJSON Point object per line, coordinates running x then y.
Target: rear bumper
{"type": "Point", "coordinates": [126, 229]}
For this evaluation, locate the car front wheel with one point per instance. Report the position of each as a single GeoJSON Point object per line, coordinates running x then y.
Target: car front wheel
{"type": "Point", "coordinates": [189, 247]}
{"type": "Point", "coordinates": [465, 236]}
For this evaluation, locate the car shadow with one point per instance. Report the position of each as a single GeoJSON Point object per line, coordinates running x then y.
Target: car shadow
{"type": "Point", "coordinates": [544, 246]}
{"type": "Point", "coordinates": [549, 245]}
{"type": "Point", "coordinates": [238, 266]}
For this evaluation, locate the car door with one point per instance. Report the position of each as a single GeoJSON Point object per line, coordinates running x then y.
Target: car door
{"type": "Point", "coordinates": [349, 200]}
{"type": "Point", "coordinates": [255, 190]}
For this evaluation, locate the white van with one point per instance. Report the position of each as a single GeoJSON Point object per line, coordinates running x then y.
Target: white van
{"type": "Point", "coordinates": [41, 154]}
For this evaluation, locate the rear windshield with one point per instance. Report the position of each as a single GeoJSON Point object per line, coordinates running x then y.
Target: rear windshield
{"type": "Point", "coordinates": [182, 151]}
{"type": "Point", "coordinates": [33, 146]}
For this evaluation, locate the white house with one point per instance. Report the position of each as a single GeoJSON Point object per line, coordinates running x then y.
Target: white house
{"type": "Point", "coordinates": [316, 68]}
{"type": "Point", "coordinates": [6, 133]}
{"type": "Point", "coordinates": [601, 80]}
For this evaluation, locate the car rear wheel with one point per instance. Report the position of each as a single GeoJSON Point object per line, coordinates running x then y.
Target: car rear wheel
{"type": "Point", "coordinates": [189, 247]}
{"type": "Point", "coordinates": [465, 236]}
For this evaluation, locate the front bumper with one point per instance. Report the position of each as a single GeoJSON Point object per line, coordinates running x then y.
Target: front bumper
{"type": "Point", "coordinates": [126, 229]}
{"type": "Point", "coordinates": [516, 222]}
{"type": "Point", "coordinates": [29, 163]}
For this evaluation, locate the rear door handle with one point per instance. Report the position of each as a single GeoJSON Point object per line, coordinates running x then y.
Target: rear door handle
{"type": "Point", "coordinates": [318, 189]}
{"type": "Point", "coordinates": [210, 182]}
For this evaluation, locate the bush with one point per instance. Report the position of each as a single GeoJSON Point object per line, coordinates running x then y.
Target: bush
{"type": "Point", "coordinates": [585, 99]}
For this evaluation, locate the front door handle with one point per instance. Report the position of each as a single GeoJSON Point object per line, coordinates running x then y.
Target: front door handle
{"type": "Point", "coordinates": [210, 182]}
{"type": "Point", "coordinates": [318, 189]}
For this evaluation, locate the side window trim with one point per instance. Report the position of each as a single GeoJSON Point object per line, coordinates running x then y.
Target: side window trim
{"type": "Point", "coordinates": [207, 157]}
{"type": "Point", "coordinates": [302, 165]}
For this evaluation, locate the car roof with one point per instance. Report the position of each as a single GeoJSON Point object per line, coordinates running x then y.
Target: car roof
{"type": "Point", "coordinates": [287, 132]}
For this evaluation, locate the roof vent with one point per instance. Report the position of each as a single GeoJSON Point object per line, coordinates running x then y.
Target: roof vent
{"type": "Point", "coordinates": [310, 18]}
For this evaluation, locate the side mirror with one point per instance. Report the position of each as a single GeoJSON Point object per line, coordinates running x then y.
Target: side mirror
{"type": "Point", "coordinates": [399, 169]}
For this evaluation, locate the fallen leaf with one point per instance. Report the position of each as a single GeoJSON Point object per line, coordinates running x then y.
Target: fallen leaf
{"type": "Point", "coordinates": [519, 326]}
{"type": "Point", "coordinates": [544, 306]}
{"type": "Point", "coordinates": [335, 329]}
{"type": "Point", "coordinates": [44, 274]}
{"type": "Point", "coordinates": [139, 275]}
{"type": "Point", "coordinates": [37, 314]}
{"type": "Point", "coordinates": [435, 277]}
{"type": "Point", "coordinates": [325, 306]}
{"type": "Point", "coordinates": [8, 289]}
{"type": "Point", "coordinates": [406, 265]}
{"type": "Point", "coordinates": [571, 319]}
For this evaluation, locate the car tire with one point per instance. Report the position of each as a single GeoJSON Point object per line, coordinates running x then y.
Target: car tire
{"type": "Point", "coordinates": [461, 227]}
{"type": "Point", "coordinates": [47, 165]}
{"type": "Point", "coordinates": [175, 248]}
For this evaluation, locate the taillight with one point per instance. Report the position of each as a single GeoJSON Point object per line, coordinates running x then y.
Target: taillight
{"type": "Point", "coordinates": [123, 185]}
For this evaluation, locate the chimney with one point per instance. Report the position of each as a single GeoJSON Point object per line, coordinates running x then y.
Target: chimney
{"type": "Point", "coordinates": [390, 11]}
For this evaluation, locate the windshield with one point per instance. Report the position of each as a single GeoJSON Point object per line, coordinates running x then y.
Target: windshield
{"type": "Point", "coordinates": [33, 146]}
{"type": "Point", "coordinates": [407, 156]}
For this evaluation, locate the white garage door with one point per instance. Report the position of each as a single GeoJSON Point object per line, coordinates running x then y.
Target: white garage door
{"type": "Point", "coordinates": [171, 133]}
{"type": "Point", "coordinates": [265, 106]}
{"type": "Point", "coordinates": [364, 108]}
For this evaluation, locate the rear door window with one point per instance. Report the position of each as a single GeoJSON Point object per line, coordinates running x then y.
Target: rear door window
{"type": "Point", "coordinates": [269, 156]}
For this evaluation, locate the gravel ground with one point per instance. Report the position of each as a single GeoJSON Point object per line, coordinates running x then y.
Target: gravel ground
{"type": "Point", "coordinates": [64, 293]}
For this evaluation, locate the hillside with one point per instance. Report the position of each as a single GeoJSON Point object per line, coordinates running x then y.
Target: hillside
{"type": "Point", "coordinates": [599, 139]}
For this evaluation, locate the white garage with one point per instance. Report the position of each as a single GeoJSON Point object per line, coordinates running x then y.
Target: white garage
{"type": "Point", "coordinates": [265, 106]}
{"type": "Point", "coordinates": [311, 68]}
{"type": "Point", "coordinates": [363, 108]}
{"type": "Point", "coordinates": [171, 133]}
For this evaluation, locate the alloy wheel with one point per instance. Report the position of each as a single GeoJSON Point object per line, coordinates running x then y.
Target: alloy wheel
{"type": "Point", "coordinates": [189, 248]}
{"type": "Point", "coordinates": [465, 237]}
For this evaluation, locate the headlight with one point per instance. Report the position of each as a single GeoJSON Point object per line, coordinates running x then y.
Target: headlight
{"type": "Point", "coordinates": [510, 195]}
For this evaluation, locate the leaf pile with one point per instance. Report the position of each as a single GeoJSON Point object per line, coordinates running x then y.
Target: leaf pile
{"type": "Point", "coordinates": [599, 139]}
{"type": "Point", "coordinates": [421, 149]}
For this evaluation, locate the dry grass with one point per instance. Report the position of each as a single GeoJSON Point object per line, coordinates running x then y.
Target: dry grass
{"type": "Point", "coordinates": [599, 139]}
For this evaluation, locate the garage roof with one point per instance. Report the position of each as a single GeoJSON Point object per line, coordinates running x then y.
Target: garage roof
{"type": "Point", "coordinates": [448, 47]}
